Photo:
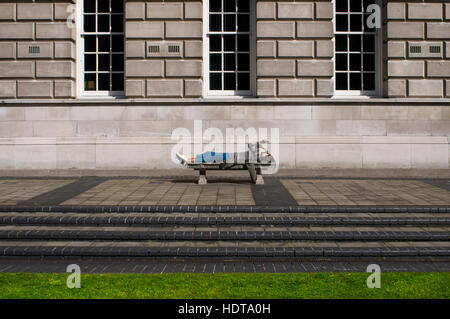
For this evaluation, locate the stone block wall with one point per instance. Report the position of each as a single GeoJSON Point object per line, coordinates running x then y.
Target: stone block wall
{"type": "Point", "coordinates": [294, 48]}
{"type": "Point", "coordinates": [414, 26]}
{"type": "Point", "coordinates": [156, 22]}
{"type": "Point", "coordinates": [37, 50]}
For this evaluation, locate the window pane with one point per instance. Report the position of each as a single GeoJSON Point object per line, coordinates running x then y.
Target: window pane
{"type": "Point", "coordinates": [341, 62]}
{"type": "Point", "coordinates": [90, 62]}
{"type": "Point", "coordinates": [229, 5]}
{"type": "Point", "coordinates": [367, 3]}
{"type": "Point", "coordinates": [89, 82]}
{"type": "Point", "coordinates": [103, 23]}
{"type": "Point", "coordinates": [369, 82]}
{"type": "Point", "coordinates": [215, 22]}
{"type": "Point", "coordinates": [229, 22]}
{"type": "Point", "coordinates": [230, 62]}
{"type": "Point", "coordinates": [229, 43]}
{"type": "Point", "coordinates": [341, 81]}
{"type": "Point", "coordinates": [243, 62]}
{"type": "Point", "coordinates": [90, 43]}
{"type": "Point", "coordinates": [356, 22]}
{"type": "Point", "coordinates": [355, 43]}
{"type": "Point", "coordinates": [215, 62]}
{"type": "Point", "coordinates": [355, 81]}
{"type": "Point", "coordinates": [215, 5]}
{"type": "Point", "coordinates": [89, 23]}
{"type": "Point", "coordinates": [243, 43]}
{"type": "Point", "coordinates": [243, 81]}
{"type": "Point", "coordinates": [215, 81]}
{"type": "Point", "coordinates": [117, 62]}
{"type": "Point", "coordinates": [341, 43]}
{"type": "Point", "coordinates": [117, 43]}
{"type": "Point", "coordinates": [103, 6]}
{"type": "Point", "coordinates": [355, 62]}
{"type": "Point", "coordinates": [355, 5]}
{"type": "Point", "coordinates": [369, 62]}
{"type": "Point", "coordinates": [243, 5]}
{"type": "Point", "coordinates": [89, 6]}
{"type": "Point", "coordinates": [117, 7]}
{"type": "Point", "coordinates": [117, 23]}
{"type": "Point", "coordinates": [341, 22]}
{"type": "Point", "coordinates": [341, 5]}
{"type": "Point", "coordinates": [215, 43]}
{"type": "Point", "coordinates": [103, 43]}
{"type": "Point", "coordinates": [103, 62]}
{"type": "Point", "coordinates": [117, 82]}
{"type": "Point", "coordinates": [369, 43]}
{"type": "Point", "coordinates": [243, 23]}
{"type": "Point", "coordinates": [229, 81]}
{"type": "Point", "coordinates": [103, 82]}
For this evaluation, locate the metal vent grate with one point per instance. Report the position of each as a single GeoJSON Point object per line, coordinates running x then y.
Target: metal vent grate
{"type": "Point", "coordinates": [34, 49]}
{"type": "Point", "coordinates": [415, 49]}
{"type": "Point", "coordinates": [153, 49]}
{"type": "Point", "coordinates": [435, 49]}
{"type": "Point", "coordinates": [173, 48]}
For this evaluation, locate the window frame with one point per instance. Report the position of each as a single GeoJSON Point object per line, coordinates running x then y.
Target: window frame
{"type": "Point", "coordinates": [81, 92]}
{"type": "Point", "coordinates": [207, 93]}
{"type": "Point", "coordinates": [378, 60]}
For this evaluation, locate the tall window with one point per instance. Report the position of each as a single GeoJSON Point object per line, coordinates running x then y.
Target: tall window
{"type": "Point", "coordinates": [229, 43]}
{"type": "Point", "coordinates": [102, 40]}
{"type": "Point", "coordinates": [355, 49]}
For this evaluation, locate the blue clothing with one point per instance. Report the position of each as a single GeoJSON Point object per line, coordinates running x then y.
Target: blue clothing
{"type": "Point", "coordinates": [212, 157]}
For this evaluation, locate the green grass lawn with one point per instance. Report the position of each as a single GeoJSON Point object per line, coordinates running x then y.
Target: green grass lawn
{"type": "Point", "coordinates": [258, 286]}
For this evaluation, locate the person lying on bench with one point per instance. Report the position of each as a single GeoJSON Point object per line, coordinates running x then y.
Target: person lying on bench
{"type": "Point", "coordinates": [219, 157]}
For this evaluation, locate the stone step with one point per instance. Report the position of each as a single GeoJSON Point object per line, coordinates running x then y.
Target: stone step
{"type": "Point", "coordinates": [135, 251]}
{"type": "Point", "coordinates": [135, 235]}
{"type": "Point", "coordinates": [284, 220]}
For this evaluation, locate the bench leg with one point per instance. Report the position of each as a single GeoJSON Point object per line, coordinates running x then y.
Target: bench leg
{"type": "Point", "coordinates": [252, 172]}
{"type": "Point", "coordinates": [259, 177]}
{"type": "Point", "coordinates": [202, 178]}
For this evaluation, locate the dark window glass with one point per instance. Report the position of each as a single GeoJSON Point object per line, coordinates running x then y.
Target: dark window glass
{"type": "Point", "coordinates": [369, 62]}
{"type": "Point", "coordinates": [230, 62]}
{"type": "Point", "coordinates": [369, 43]}
{"type": "Point", "coordinates": [243, 23]}
{"type": "Point", "coordinates": [243, 6]}
{"type": "Point", "coordinates": [90, 43]}
{"type": "Point", "coordinates": [90, 82]}
{"type": "Point", "coordinates": [90, 62]}
{"type": "Point", "coordinates": [341, 62]}
{"type": "Point", "coordinates": [243, 81]}
{"type": "Point", "coordinates": [215, 81]}
{"type": "Point", "coordinates": [341, 22]}
{"type": "Point", "coordinates": [229, 22]}
{"type": "Point", "coordinates": [117, 62]}
{"type": "Point", "coordinates": [229, 5]}
{"type": "Point", "coordinates": [103, 62]}
{"type": "Point", "coordinates": [103, 82]}
{"type": "Point", "coordinates": [117, 6]}
{"type": "Point", "coordinates": [117, 82]}
{"type": "Point", "coordinates": [243, 62]}
{"type": "Point", "coordinates": [356, 22]}
{"type": "Point", "coordinates": [341, 81]}
{"type": "Point", "coordinates": [103, 23]}
{"type": "Point", "coordinates": [117, 43]}
{"type": "Point", "coordinates": [215, 43]}
{"type": "Point", "coordinates": [355, 81]}
{"type": "Point", "coordinates": [355, 43]}
{"type": "Point", "coordinates": [215, 5]}
{"type": "Point", "coordinates": [355, 5]}
{"type": "Point", "coordinates": [355, 62]}
{"type": "Point", "coordinates": [117, 23]}
{"type": "Point", "coordinates": [89, 23]}
{"type": "Point", "coordinates": [229, 43]}
{"type": "Point", "coordinates": [215, 22]}
{"type": "Point", "coordinates": [369, 82]}
{"type": "Point", "coordinates": [103, 5]}
{"type": "Point", "coordinates": [229, 81]}
{"type": "Point", "coordinates": [243, 43]}
{"type": "Point", "coordinates": [215, 62]}
{"type": "Point", "coordinates": [341, 43]}
{"type": "Point", "coordinates": [367, 3]}
{"type": "Point", "coordinates": [341, 6]}
{"type": "Point", "coordinates": [89, 6]}
{"type": "Point", "coordinates": [103, 43]}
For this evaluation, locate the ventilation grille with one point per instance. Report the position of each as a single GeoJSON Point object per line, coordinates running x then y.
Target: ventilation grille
{"type": "Point", "coordinates": [173, 48]}
{"type": "Point", "coordinates": [415, 49]}
{"type": "Point", "coordinates": [34, 49]}
{"type": "Point", "coordinates": [435, 49]}
{"type": "Point", "coordinates": [153, 49]}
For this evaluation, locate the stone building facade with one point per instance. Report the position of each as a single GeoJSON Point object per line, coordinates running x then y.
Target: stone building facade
{"type": "Point", "coordinates": [101, 84]}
